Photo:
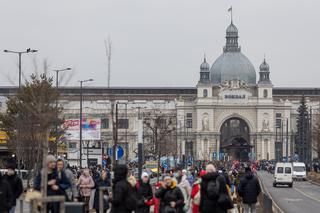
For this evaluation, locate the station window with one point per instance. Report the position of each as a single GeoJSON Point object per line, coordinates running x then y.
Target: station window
{"type": "Point", "coordinates": [105, 123]}
{"type": "Point", "coordinates": [205, 93]}
{"type": "Point", "coordinates": [123, 123]}
{"type": "Point", "coordinates": [189, 120]}
{"type": "Point", "coordinates": [265, 93]}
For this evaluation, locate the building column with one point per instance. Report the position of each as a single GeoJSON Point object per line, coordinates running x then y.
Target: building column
{"type": "Point", "coordinates": [218, 148]}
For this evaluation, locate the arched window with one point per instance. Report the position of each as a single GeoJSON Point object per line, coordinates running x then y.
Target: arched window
{"type": "Point", "coordinates": [205, 93]}
{"type": "Point", "coordinates": [265, 93]}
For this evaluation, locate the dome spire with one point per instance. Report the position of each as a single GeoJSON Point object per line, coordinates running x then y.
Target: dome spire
{"type": "Point", "coordinates": [231, 37]}
{"type": "Point", "coordinates": [230, 10]}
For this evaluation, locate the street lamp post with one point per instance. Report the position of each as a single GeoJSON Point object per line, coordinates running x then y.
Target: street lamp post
{"type": "Point", "coordinates": [57, 87]}
{"type": "Point", "coordinates": [20, 73]}
{"type": "Point", "coordinates": [81, 83]}
{"type": "Point", "coordinates": [20, 54]}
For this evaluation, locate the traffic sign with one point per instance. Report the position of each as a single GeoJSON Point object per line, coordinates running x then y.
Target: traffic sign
{"type": "Point", "coordinates": [120, 152]}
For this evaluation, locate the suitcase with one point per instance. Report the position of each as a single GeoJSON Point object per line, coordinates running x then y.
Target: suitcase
{"type": "Point", "coordinates": [74, 207]}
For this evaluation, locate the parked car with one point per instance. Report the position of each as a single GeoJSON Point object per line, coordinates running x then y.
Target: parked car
{"type": "Point", "coordinates": [283, 174]}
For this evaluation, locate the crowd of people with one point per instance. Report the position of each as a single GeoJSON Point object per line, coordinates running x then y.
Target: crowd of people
{"type": "Point", "coordinates": [210, 188]}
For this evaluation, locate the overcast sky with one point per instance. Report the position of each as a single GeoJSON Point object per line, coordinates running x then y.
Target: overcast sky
{"type": "Point", "coordinates": [160, 42]}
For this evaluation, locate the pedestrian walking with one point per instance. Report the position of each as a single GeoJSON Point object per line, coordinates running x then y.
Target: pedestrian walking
{"type": "Point", "coordinates": [85, 184]}
{"type": "Point", "coordinates": [6, 195]}
{"type": "Point", "coordinates": [195, 193]}
{"type": "Point", "coordinates": [249, 189]}
{"type": "Point", "coordinates": [103, 181]}
{"type": "Point", "coordinates": [214, 194]}
{"type": "Point", "coordinates": [123, 197]}
{"type": "Point", "coordinates": [171, 197]}
{"type": "Point", "coordinates": [57, 182]}
{"type": "Point", "coordinates": [185, 188]}
{"type": "Point", "coordinates": [72, 192]}
{"type": "Point", "coordinates": [15, 183]}
{"type": "Point", "coordinates": [145, 194]}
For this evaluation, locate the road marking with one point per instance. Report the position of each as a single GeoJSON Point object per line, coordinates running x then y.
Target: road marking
{"type": "Point", "coordinates": [293, 199]}
{"type": "Point", "coordinates": [306, 194]}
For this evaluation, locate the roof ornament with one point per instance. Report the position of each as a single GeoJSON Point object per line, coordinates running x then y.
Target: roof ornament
{"type": "Point", "coordinates": [230, 10]}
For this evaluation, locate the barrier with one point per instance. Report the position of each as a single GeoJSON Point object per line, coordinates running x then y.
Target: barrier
{"type": "Point", "coordinates": [266, 202]}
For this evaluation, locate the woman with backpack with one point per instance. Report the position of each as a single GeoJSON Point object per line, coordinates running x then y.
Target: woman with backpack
{"type": "Point", "coordinates": [214, 194]}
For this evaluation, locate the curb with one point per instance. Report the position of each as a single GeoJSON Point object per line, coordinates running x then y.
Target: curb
{"type": "Point", "coordinates": [275, 207]}
{"type": "Point", "coordinates": [314, 183]}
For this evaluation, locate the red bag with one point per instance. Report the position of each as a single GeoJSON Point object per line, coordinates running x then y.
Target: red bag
{"type": "Point", "coordinates": [150, 202]}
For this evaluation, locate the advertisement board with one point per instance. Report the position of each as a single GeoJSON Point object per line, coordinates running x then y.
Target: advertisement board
{"type": "Point", "coordinates": [91, 129]}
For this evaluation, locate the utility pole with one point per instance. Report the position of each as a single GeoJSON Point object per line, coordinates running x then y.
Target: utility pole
{"type": "Point", "coordinates": [80, 129]}
{"type": "Point", "coordinates": [115, 137]}
{"type": "Point", "coordinates": [287, 139]}
{"type": "Point", "coordinates": [18, 142]}
{"type": "Point", "coordinates": [140, 141]}
{"type": "Point", "coordinates": [108, 46]}
{"type": "Point", "coordinates": [57, 111]}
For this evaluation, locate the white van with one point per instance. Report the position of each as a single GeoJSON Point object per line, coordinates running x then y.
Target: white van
{"type": "Point", "coordinates": [283, 174]}
{"type": "Point", "coordinates": [299, 171]}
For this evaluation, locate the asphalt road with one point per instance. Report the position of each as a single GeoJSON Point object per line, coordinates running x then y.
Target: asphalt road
{"type": "Point", "coordinates": [302, 197]}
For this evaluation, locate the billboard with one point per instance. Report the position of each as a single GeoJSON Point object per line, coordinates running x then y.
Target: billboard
{"type": "Point", "coordinates": [91, 129]}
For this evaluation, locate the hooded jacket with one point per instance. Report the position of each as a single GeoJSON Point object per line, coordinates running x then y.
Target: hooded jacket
{"type": "Point", "coordinates": [69, 174]}
{"type": "Point", "coordinates": [167, 195]}
{"type": "Point", "coordinates": [62, 182]}
{"type": "Point", "coordinates": [123, 198]}
{"type": "Point", "coordinates": [16, 186]}
{"type": "Point", "coordinates": [249, 188]}
{"type": "Point", "coordinates": [6, 196]}
{"type": "Point", "coordinates": [207, 204]}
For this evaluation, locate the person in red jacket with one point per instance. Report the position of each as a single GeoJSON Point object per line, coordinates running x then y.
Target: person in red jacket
{"type": "Point", "coordinates": [156, 200]}
{"type": "Point", "coordinates": [196, 192]}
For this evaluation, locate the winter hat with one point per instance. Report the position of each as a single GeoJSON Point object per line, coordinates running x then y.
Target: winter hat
{"type": "Point", "coordinates": [210, 168]}
{"type": "Point", "coordinates": [247, 169]}
{"type": "Point", "coordinates": [11, 166]}
{"type": "Point", "coordinates": [144, 174]}
{"type": "Point", "coordinates": [120, 173]}
{"type": "Point", "coordinates": [202, 172]}
{"type": "Point", "coordinates": [50, 158]}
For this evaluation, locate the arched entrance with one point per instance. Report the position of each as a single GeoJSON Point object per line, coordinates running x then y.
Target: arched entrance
{"type": "Point", "coordinates": [235, 139]}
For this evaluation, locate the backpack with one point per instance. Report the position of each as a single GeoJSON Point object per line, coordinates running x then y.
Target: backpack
{"type": "Point", "coordinates": [213, 189]}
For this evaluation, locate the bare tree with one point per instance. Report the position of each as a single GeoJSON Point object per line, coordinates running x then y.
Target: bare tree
{"type": "Point", "coordinates": [316, 133]}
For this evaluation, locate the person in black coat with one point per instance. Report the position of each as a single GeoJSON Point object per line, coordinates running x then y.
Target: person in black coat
{"type": "Point", "coordinates": [15, 183]}
{"type": "Point", "coordinates": [171, 197]}
{"type": "Point", "coordinates": [249, 189]}
{"type": "Point", "coordinates": [6, 196]}
{"type": "Point", "coordinates": [124, 198]}
{"type": "Point", "coordinates": [103, 181]}
{"type": "Point", "coordinates": [144, 192]}
{"type": "Point", "coordinates": [208, 203]}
